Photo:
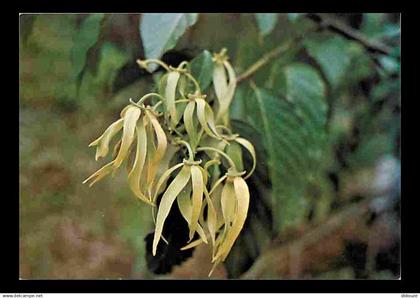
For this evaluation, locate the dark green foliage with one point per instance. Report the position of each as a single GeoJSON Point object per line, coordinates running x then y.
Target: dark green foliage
{"type": "Point", "coordinates": [202, 69]}
{"type": "Point", "coordinates": [293, 127]}
{"type": "Point", "coordinates": [84, 39]}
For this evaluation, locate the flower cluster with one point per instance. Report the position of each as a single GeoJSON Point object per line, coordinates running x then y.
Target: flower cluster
{"type": "Point", "coordinates": [179, 121]}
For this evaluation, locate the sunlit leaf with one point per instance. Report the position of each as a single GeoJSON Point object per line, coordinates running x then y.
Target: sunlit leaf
{"type": "Point", "coordinates": [161, 31]}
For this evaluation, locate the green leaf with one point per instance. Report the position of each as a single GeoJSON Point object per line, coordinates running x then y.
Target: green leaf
{"type": "Point", "coordinates": [293, 130]}
{"type": "Point", "coordinates": [161, 31]}
{"type": "Point", "coordinates": [266, 22]}
{"type": "Point", "coordinates": [202, 69]}
{"type": "Point", "coordinates": [83, 40]}
{"type": "Point", "coordinates": [111, 60]}
{"type": "Point", "coordinates": [237, 107]}
{"type": "Point", "coordinates": [332, 55]}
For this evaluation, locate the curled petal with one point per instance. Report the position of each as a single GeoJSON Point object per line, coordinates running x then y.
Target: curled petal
{"type": "Point", "coordinates": [103, 141]}
{"type": "Point", "coordinates": [232, 82]}
{"type": "Point", "coordinates": [192, 244]}
{"type": "Point", "coordinates": [116, 149]}
{"type": "Point", "coordinates": [168, 199]}
{"type": "Point", "coordinates": [163, 178]}
{"type": "Point", "coordinates": [242, 197]}
{"type": "Point", "coordinates": [159, 152]}
{"type": "Point", "coordinates": [170, 92]}
{"type": "Point", "coordinates": [130, 119]}
{"type": "Point", "coordinates": [211, 220]}
{"type": "Point", "coordinates": [99, 174]}
{"type": "Point", "coordinates": [219, 81]}
{"type": "Point", "coordinates": [135, 174]}
{"type": "Point", "coordinates": [224, 87]}
{"type": "Point", "coordinates": [216, 198]}
{"type": "Point", "coordinates": [122, 113]}
{"type": "Point", "coordinates": [189, 123]}
{"type": "Point", "coordinates": [206, 118]}
{"type": "Point", "coordinates": [185, 207]}
{"type": "Point", "coordinates": [197, 197]}
{"type": "Point", "coordinates": [217, 183]}
{"type": "Point", "coordinates": [184, 203]}
{"type": "Point", "coordinates": [248, 146]}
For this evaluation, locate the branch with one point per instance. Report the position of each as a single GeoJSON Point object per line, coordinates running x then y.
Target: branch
{"type": "Point", "coordinates": [316, 247]}
{"type": "Point", "coordinates": [325, 22]}
{"type": "Point", "coordinates": [265, 59]}
{"type": "Point", "coordinates": [349, 33]}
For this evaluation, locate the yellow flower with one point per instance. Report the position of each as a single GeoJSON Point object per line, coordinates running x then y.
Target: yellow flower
{"type": "Point", "coordinates": [216, 216]}
{"type": "Point", "coordinates": [204, 115]}
{"type": "Point", "coordinates": [223, 86]}
{"type": "Point", "coordinates": [228, 208]}
{"type": "Point", "coordinates": [234, 201]}
{"type": "Point", "coordinates": [128, 122]}
{"type": "Point", "coordinates": [191, 177]}
{"type": "Point", "coordinates": [137, 122]}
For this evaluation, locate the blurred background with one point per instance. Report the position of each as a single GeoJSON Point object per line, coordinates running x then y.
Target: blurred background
{"type": "Point", "coordinates": [77, 71]}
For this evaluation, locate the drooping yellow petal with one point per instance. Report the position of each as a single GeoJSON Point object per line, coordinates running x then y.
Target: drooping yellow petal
{"type": "Point", "coordinates": [168, 198]}
{"type": "Point", "coordinates": [192, 244]}
{"type": "Point", "coordinates": [216, 197]}
{"type": "Point", "coordinates": [123, 111]}
{"type": "Point", "coordinates": [224, 88]}
{"type": "Point", "coordinates": [206, 118]}
{"type": "Point", "coordinates": [116, 149]}
{"type": "Point", "coordinates": [242, 198]}
{"type": "Point", "coordinates": [103, 141]}
{"type": "Point", "coordinates": [163, 178]}
{"type": "Point", "coordinates": [197, 197]}
{"type": "Point", "coordinates": [170, 92]}
{"type": "Point", "coordinates": [185, 207]}
{"type": "Point", "coordinates": [189, 124]}
{"type": "Point", "coordinates": [130, 119]}
{"type": "Point", "coordinates": [217, 183]}
{"type": "Point", "coordinates": [248, 146]}
{"type": "Point", "coordinates": [232, 83]}
{"type": "Point", "coordinates": [184, 203]}
{"type": "Point", "coordinates": [219, 81]}
{"type": "Point", "coordinates": [228, 203]}
{"type": "Point", "coordinates": [211, 220]}
{"type": "Point", "coordinates": [159, 152]}
{"type": "Point", "coordinates": [205, 176]}
{"type": "Point", "coordinates": [101, 173]}
{"type": "Point", "coordinates": [151, 150]}
{"type": "Point", "coordinates": [135, 174]}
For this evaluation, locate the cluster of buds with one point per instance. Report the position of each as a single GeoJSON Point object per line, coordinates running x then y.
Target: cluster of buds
{"type": "Point", "coordinates": [179, 123]}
